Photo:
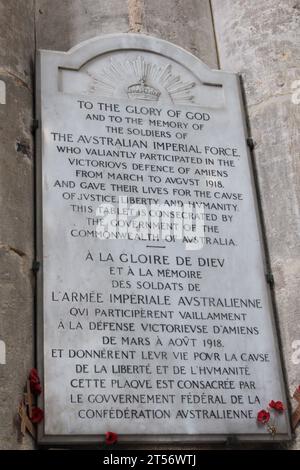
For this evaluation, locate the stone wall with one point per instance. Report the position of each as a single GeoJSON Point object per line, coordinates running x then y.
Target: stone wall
{"type": "Point", "coordinates": [61, 25]}
{"type": "Point", "coordinates": [257, 39]}
{"type": "Point", "coordinates": [16, 209]}
{"type": "Point", "coordinates": [261, 41]}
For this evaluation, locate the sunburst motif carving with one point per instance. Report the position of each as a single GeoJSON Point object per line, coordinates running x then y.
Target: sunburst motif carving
{"type": "Point", "coordinates": [141, 80]}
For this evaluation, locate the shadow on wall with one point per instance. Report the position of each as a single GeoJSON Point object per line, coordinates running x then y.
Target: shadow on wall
{"type": "Point", "coordinates": [62, 25]}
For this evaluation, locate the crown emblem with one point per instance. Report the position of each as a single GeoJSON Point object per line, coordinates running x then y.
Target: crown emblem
{"type": "Point", "coordinates": [142, 91]}
{"type": "Point", "coordinates": [131, 78]}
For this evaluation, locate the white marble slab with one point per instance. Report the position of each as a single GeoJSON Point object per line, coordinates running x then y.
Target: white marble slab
{"type": "Point", "coordinates": [150, 336]}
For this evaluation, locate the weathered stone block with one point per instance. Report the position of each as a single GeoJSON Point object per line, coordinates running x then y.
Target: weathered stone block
{"type": "Point", "coordinates": [17, 38]}
{"type": "Point", "coordinates": [62, 25]}
{"type": "Point", "coordinates": [188, 24]}
{"type": "Point", "coordinates": [16, 168]}
{"type": "Point", "coordinates": [16, 330]}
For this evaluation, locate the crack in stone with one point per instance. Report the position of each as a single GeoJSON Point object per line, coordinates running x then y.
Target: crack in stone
{"type": "Point", "coordinates": [17, 251]}
{"type": "Point", "coordinates": [18, 80]}
{"type": "Point", "coordinates": [270, 98]}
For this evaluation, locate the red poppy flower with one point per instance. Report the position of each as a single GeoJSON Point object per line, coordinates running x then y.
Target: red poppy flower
{"type": "Point", "coordinates": [36, 388]}
{"type": "Point", "coordinates": [111, 438]}
{"type": "Point", "coordinates": [276, 405]}
{"type": "Point", "coordinates": [263, 416]}
{"type": "Point", "coordinates": [298, 389]}
{"type": "Point", "coordinates": [37, 415]}
{"type": "Point", "coordinates": [33, 375]}
{"type": "Point", "coordinates": [35, 383]}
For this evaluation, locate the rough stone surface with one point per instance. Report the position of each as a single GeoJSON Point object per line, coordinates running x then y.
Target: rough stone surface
{"type": "Point", "coordinates": [62, 25]}
{"type": "Point", "coordinates": [261, 41]}
{"type": "Point", "coordinates": [16, 160]}
{"type": "Point", "coordinates": [135, 15]}
{"type": "Point", "coordinates": [16, 212]}
{"type": "Point", "coordinates": [258, 39]}
{"type": "Point", "coordinates": [187, 23]}
{"type": "Point", "coordinates": [58, 25]}
{"type": "Point", "coordinates": [17, 38]}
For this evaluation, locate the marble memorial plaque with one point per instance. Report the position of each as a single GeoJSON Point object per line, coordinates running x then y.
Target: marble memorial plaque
{"type": "Point", "coordinates": [155, 315]}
